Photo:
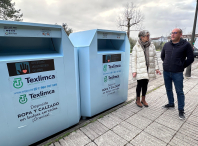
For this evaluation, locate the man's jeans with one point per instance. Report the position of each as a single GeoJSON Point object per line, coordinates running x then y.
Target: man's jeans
{"type": "Point", "coordinates": [177, 79]}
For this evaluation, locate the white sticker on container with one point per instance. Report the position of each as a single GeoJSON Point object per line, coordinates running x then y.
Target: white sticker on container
{"type": "Point", "coordinates": [10, 30]}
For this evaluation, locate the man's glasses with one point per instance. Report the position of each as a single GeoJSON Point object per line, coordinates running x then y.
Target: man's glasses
{"type": "Point", "coordinates": [174, 32]}
{"type": "Point", "coordinates": [147, 36]}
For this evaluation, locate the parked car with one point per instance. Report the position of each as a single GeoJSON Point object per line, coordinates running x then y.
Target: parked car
{"type": "Point", "coordinates": [195, 48]}
{"type": "Point", "coordinates": [195, 51]}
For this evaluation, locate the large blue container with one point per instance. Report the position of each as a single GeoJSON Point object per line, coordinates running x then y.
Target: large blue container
{"type": "Point", "coordinates": [39, 82]}
{"type": "Point", "coordinates": [103, 68]}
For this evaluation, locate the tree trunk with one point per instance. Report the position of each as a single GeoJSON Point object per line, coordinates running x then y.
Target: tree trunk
{"type": "Point", "coordinates": [128, 32]}
{"type": "Point", "coordinates": [128, 28]}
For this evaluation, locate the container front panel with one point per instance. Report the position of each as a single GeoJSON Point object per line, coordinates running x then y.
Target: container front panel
{"type": "Point", "coordinates": [108, 81]}
{"type": "Point", "coordinates": [34, 98]}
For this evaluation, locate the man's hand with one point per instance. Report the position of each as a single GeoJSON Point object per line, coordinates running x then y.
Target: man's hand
{"type": "Point", "coordinates": [158, 72]}
{"type": "Point", "coordinates": [134, 74]}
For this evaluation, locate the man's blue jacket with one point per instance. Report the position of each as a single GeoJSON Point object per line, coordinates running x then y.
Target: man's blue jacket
{"type": "Point", "coordinates": [176, 57]}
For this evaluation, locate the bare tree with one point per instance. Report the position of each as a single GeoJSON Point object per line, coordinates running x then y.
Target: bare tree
{"type": "Point", "coordinates": [131, 17]}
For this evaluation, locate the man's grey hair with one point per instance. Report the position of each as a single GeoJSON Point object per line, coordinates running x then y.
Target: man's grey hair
{"type": "Point", "coordinates": [180, 30]}
{"type": "Point", "coordinates": [143, 33]}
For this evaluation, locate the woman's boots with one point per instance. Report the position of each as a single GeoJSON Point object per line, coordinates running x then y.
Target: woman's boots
{"type": "Point", "coordinates": [144, 101]}
{"type": "Point", "coordinates": [138, 102]}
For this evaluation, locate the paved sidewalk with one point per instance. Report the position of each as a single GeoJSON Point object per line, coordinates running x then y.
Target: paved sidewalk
{"type": "Point", "coordinates": [152, 126]}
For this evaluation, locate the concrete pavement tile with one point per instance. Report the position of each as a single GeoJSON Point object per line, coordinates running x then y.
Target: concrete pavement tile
{"type": "Point", "coordinates": [139, 121]}
{"type": "Point", "coordinates": [123, 113]}
{"type": "Point", "coordinates": [132, 91]}
{"type": "Point", "coordinates": [195, 112]}
{"type": "Point", "coordinates": [133, 107]}
{"type": "Point", "coordinates": [69, 142]}
{"type": "Point", "coordinates": [195, 87]}
{"type": "Point", "coordinates": [159, 102]}
{"type": "Point", "coordinates": [191, 99]}
{"type": "Point", "coordinates": [190, 104]}
{"type": "Point", "coordinates": [169, 121]}
{"type": "Point", "coordinates": [186, 89]}
{"type": "Point", "coordinates": [145, 139]}
{"type": "Point", "coordinates": [126, 130]}
{"type": "Point", "coordinates": [188, 109]}
{"type": "Point", "coordinates": [192, 93]}
{"type": "Point", "coordinates": [190, 83]}
{"type": "Point", "coordinates": [158, 106]}
{"type": "Point", "coordinates": [153, 96]}
{"type": "Point", "coordinates": [129, 144]}
{"type": "Point", "coordinates": [162, 132]}
{"type": "Point", "coordinates": [131, 97]}
{"type": "Point", "coordinates": [91, 144]}
{"type": "Point", "coordinates": [150, 98]}
{"type": "Point", "coordinates": [57, 144]}
{"type": "Point", "coordinates": [158, 81]}
{"type": "Point", "coordinates": [150, 114]}
{"type": "Point", "coordinates": [110, 121]}
{"type": "Point", "coordinates": [192, 120]}
{"type": "Point", "coordinates": [77, 138]}
{"type": "Point", "coordinates": [152, 86]}
{"type": "Point", "coordinates": [161, 90]}
{"type": "Point", "coordinates": [182, 140]}
{"type": "Point", "coordinates": [189, 130]}
{"type": "Point", "coordinates": [110, 139]}
{"type": "Point", "coordinates": [173, 112]}
{"type": "Point", "coordinates": [94, 130]}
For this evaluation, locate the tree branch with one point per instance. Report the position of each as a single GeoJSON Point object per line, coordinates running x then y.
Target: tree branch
{"type": "Point", "coordinates": [130, 17]}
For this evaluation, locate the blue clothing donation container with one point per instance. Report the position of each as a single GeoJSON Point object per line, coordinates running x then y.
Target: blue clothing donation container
{"type": "Point", "coordinates": [39, 82]}
{"type": "Point", "coordinates": [103, 69]}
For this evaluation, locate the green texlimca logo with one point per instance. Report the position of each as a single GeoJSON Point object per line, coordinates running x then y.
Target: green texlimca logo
{"type": "Point", "coordinates": [17, 83]}
{"type": "Point", "coordinates": [105, 79]}
{"type": "Point", "coordinates": [23, 99]}
{"type": "Point", "coordinates": [105, 68]}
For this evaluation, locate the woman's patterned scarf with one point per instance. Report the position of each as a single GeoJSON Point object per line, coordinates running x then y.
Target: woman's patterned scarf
{"type": "Point", "coordinates": [145, 47]}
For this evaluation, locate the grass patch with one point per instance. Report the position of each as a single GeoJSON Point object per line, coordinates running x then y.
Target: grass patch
{"type": "Point", "coordinates": [154, 89]}
{"type": "Point", "coordinates": [93, 120]}
{"type": "Point", "coordinates": [56, 140]}
{"type": "Point", "coordinates": [85, 125]}
{"type": "Point", "coordinates": [48, 144]}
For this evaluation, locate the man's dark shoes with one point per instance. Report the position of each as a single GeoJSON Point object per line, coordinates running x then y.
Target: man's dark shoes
{"type": "Point", "coordinates": [181, 115]}
{"type": "Point", "coordinates": [168, 106]}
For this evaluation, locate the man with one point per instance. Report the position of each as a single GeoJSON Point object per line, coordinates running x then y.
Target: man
{"type": "Point", "coordinates": [176, 55]}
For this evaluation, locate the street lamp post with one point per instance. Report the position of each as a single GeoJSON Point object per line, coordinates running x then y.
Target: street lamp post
{"type": "Point", "coordinates": [188, 69]}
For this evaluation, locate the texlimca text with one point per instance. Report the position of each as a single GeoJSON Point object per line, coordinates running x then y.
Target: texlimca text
{"type": "Point", "coordinates": [39, 78]}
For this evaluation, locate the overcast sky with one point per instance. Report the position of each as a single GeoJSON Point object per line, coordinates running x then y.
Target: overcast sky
{"type": "Point", "coordinates": [160, 15]}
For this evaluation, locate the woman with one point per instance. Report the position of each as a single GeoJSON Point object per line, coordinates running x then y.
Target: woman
{"type": "Point", "coordinates": [144, 65]}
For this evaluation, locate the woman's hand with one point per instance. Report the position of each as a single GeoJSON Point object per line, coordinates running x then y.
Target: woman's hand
{"type": "Point", "coordinates": [158, 72]}
{"type": "Point", "coordinates": [134, 74]}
